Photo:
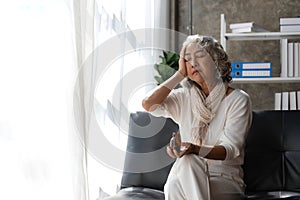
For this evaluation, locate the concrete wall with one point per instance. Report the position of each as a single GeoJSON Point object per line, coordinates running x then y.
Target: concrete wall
{"type": "Point", "coordinates": [206, 21]}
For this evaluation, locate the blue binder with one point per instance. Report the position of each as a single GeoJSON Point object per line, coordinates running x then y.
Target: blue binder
{"type": "Point", "coordinates": [251, 73]}
{"type": "Point", "coordinates": [251, 69]}
{"type": "Point", "coordinates": [251, 65]}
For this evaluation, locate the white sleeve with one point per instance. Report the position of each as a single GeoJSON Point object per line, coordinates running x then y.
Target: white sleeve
{"type": "Point", "coordinates": [238, 122]}
{"type": "Point", "coordinates": [172, 105]}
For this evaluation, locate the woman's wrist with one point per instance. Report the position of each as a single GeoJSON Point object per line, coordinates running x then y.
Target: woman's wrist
{"type": "Point", "coordinates": [173, 81]}
{"type": "Point", "coordinates": [181, 73]}
{"type": "Point", "coordinates": [195, 149]}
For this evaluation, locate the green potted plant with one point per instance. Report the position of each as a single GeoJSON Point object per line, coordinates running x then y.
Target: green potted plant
{"type": "Point", "coordinates": [167, 67]}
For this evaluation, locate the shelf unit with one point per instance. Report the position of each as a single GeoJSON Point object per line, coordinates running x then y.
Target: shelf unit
{"type": "Point", "coordinates": [224, 36]}
{"type": "Point", "coordinates": [267, 80]}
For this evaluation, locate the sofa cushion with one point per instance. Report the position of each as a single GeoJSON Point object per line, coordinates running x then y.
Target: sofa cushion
{"type": "Point", "coordinates": [273, 195]}
{"type": "Point", "coordinates": [272, 153]}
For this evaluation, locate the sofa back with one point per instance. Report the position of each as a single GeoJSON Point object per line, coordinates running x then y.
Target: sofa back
{"type": "Point", "coordinates": [147, 163]}
{"type": "Point", "coordinates": [272, 152]}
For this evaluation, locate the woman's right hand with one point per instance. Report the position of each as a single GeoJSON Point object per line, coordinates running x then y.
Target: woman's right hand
{"type": "Point", "coordinates": [182, 63]}
{"type": "Point", "coordinates": [174, 146]}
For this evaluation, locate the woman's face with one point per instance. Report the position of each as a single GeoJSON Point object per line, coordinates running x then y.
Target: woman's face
{"type": "Point", "coordinates": [200, 66]}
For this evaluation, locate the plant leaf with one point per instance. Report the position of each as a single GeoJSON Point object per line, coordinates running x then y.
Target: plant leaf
{"type": "Point", "coordinates": [165, 71]}
{"type": "Point", "coordinates": [159, 80]}
{"type": "Point", "coordinates": [167, 67]}
{"type": "Point", "coordinates": [156, 67]}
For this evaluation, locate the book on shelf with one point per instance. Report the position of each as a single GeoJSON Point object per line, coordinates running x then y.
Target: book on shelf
{"type": "Point", "coordinates": [296, 60]}
{"type": "Point", "coordinates": [287, 100]}
{"type": "Point", "coordinates": [248, 30]}
{"type": "Point", "coordinates": [292, 98]}
{"type": "Point", "coordinates": [291, 24]}
{"type": "Point", "coordinates": [290, 28]}
{"type": "Point", "coordinates": [289, 20]}
{"type": "Point", "coordinates": [241, 25]}
{"type": "Point", "coordinates": [284, 58]}
{"type": "Point", "coordinates": [277, 101]}
{"type": "Point", "coordinates": [290, 59]}
{"type": "Point", "coordinates": [298, 100]}
{"type": "Point", "coordinates": [246, 27]}
{"type": "Point", "coordinates": [251, 73]}
{"type": "Point", "coordinates": [251, 69]}
{"type": "Point", "coordinates": [251, 65]}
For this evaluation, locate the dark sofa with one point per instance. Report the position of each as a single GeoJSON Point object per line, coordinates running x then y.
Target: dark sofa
{"type": "Point", "coordinates": [271, 166]}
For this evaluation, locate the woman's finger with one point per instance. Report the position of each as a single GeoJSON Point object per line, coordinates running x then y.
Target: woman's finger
{"type": "Point", "coordinates": [182, 62]}
{"type": "Point", "coordinates": [182, 52]}
{"type": "Point", "coordinates": [171, 152]}
{"type": "Point", "coordinates": [178, 153]}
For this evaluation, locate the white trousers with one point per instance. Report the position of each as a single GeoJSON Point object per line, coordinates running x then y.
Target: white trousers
{"type": "Point", "coordinates": [189, 180]}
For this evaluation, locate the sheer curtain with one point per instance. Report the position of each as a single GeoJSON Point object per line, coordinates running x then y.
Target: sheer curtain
{"type": "Point", "coordinates": [117, 46]}
{"type": "Point", "coordinates": [41, 154]}
{"type": "Point", "coordinates": [56, 94]}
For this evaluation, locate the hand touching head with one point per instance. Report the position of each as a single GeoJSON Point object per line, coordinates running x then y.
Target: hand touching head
{"type": "Point", "coordinates": [216, 60]}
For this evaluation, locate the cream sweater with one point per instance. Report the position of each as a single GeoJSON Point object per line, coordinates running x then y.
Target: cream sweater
{"type": "Point", "coordinates": [229, 127]}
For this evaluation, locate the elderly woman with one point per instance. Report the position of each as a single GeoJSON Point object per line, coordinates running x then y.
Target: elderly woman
{"type": "Point", "coordinates": [213, 119]}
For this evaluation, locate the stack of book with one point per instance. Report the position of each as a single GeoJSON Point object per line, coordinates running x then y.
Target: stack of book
{"type": "Point", "coordinates": [246, 27]}
{"type": "Point", "coordinates": [287, 100]}
{"type": "Point", "coordinates": [251, 69]}
{"type": "Point", "coordinates": [290, 59]}
{"type": "Point", "coordinates": [290, 24]}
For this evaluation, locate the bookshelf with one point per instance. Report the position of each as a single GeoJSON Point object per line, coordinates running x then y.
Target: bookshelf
{"type": "Point", "coordinates": [224, 36]}
{"type": "Point", "coordinates": [267, 80]}
{"type": "Point", "coordinates": [262, 36]}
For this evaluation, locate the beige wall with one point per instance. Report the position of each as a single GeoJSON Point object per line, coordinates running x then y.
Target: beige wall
{"type": "Point", "coordinates": [206, 21]}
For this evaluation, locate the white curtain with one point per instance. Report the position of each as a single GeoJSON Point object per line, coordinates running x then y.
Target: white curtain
{"type": "Point", "coordinates": [56, 94]}
{"type": "Point", "coordinates": [40, 150]}
{"type": "Point", "coordinates": [117, 46]}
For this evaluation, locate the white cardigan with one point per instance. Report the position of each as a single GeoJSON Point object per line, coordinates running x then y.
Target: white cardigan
{"type": "Point", "coordinates": [229, 127]}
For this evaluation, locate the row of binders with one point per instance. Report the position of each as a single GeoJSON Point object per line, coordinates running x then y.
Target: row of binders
{"type": "Point", "coordinates": [287, 100]}
{"type": "Point", "coordinates": [290, 51]}
{"type": "Point", "coordinates": [251, 69]}
{"type": "Point", "coordinates": [290, 24]}
{"type": "Point", "coordinates": [290, 59]}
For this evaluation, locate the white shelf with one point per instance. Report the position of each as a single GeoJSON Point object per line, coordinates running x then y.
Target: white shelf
{"type": "Point", "coordinates": [267, 80]}
{"type": "Point", "coordinates": [224, 36]}
{"type": "Point", "coordinates": [262, 36]}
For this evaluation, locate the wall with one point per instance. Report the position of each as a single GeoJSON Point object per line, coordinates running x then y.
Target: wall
{"type": "Point", "coordinates": [206, 21]}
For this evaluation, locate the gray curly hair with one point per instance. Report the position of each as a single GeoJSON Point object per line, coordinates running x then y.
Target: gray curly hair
{"type": "Point", "coordinates": [216, 51]}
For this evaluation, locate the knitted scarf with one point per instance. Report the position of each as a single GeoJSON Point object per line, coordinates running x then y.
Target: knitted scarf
{"type": "Point", "coordinates": [205, 108]}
